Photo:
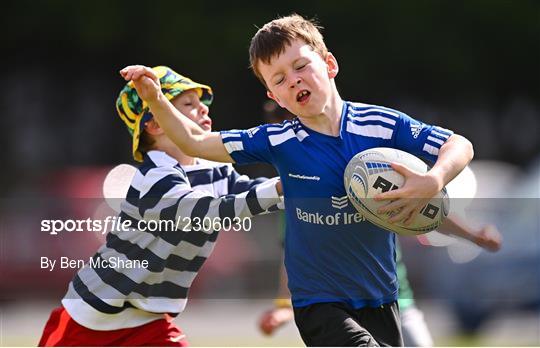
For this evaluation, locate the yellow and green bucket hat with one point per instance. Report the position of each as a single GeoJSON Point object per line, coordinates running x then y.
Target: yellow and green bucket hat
{"type": "Point", "coordinates": [134, 111]}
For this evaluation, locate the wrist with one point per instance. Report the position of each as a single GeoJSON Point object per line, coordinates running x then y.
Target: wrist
{"type": "Point", "coordinates": [477, 239]}
{"type": "Point", "coordinates": [157, 100]}
{"type": "Point", "coordinates": [437, 178]}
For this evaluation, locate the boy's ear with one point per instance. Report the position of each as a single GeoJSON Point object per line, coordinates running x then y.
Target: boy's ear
{"type": "Point", "coordinates": [332, 66]}
{"type": "Point", "coordinates": [152, 127]}
{"type": "Point", "coordinates": [274, 98]}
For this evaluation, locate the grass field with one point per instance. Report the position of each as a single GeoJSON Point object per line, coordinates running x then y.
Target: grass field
{"type": "Point", "coordinates": [233, 323]}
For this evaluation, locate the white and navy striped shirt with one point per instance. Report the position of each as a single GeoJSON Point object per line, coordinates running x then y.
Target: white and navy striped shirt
{"type": "Point", "coordinates": [115, 298]}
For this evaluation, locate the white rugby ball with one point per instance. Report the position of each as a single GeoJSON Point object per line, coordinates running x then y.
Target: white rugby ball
{"type": "Point", "coordinates": [369, 173]}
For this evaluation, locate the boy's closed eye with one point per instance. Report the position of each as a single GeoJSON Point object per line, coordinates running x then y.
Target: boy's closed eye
{"type": "Point", "coordinates": [279, 80]}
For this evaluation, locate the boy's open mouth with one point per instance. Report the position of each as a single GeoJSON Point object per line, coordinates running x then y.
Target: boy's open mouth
{"type": "Point", "coordinates": [206, 124]}
{"type": "Point", "coordinates": [303, 96]}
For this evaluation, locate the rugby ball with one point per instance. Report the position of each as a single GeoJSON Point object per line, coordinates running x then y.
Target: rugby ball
{"type": "Point", "coordinates": [369, 173]}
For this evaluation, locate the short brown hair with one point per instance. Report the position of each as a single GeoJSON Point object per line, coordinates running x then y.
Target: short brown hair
{"type": "Point", "coordinates": [146, 142]}
{"type": "Point", "coordinates": [272, 39]}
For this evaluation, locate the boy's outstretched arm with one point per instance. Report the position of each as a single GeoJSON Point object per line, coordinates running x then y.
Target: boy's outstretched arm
{"type": "Point", "coordinates": [419, 188]}
{"type": "Point", "coordinates": [488, 237]}
{"type": "Point", "coordinates": [186, 134]}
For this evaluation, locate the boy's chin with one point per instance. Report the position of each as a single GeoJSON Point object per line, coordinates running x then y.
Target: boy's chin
{"type": "Point", "coordinates": [206, 129]}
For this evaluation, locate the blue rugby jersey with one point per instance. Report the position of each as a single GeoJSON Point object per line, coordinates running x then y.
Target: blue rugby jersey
{"type": "Point", "coordinates": [115, 298]}
{"type": "Point", "coordinates": [331, 252]}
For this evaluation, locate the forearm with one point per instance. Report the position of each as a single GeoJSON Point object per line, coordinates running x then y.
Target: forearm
{"type": "Point", "coordinates": [240, 183]}
{"type": "Point", "coordinates": [453, 225]}
{"type": "Point", "coordinates": [255, 201]}
{"type": "Point", "coordinates": [454, 156]}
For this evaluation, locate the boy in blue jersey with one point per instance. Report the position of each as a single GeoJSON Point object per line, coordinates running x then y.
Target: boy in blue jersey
{"type": "Point", "coordinates": [341, 269]}
{"type": "Point", "coordinates": [413, 326]}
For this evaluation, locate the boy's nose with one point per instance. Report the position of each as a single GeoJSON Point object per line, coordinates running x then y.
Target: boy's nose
{"type": "Point", "coordinates": [296, 82]}
{"type": "Point", "coordinates": [203, 110]}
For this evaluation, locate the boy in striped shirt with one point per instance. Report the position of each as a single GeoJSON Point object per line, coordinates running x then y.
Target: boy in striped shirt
{"type": "Point", "coordinates": [341, 271]}
{"type": "Point", "coordinates": [135, 306]}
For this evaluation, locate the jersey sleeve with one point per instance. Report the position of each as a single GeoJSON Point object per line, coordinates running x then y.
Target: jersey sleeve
{"type": "Point", "coordinates": [239, 183]}
{"type": "Point", "coordinates": [418, 138]}
{"type": "Point", "coordinates": [166, 194]}
{"type": "Point", "coordinates": [248, 146]}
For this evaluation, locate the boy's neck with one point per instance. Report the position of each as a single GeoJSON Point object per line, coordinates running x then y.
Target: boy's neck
{"type": "Point", "coordinates": [172, 150]}
{"type": "Point", "coordinates": [329, 121]}
{"type": "Point", "coordinates": [186, 160]}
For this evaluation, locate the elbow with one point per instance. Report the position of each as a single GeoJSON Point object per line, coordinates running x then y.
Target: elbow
{"type": "Point", "coordinates": [469, 150]}
{"type": "Point", "coordinates": [467, 147]}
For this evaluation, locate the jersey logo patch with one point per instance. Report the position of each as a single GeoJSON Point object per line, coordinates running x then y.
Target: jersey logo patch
{"type": "Point", "coordinates": [340, 202]}
{"type": "Point", "coordinates": [415, 129]}
{"type": "Point", "coordinates": [304, 177]}
{"type": "Point", "coordinates": [251, 132]}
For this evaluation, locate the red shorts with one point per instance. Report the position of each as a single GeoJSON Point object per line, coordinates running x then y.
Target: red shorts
{"type": "Point", "coordinates": [62, 330]}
